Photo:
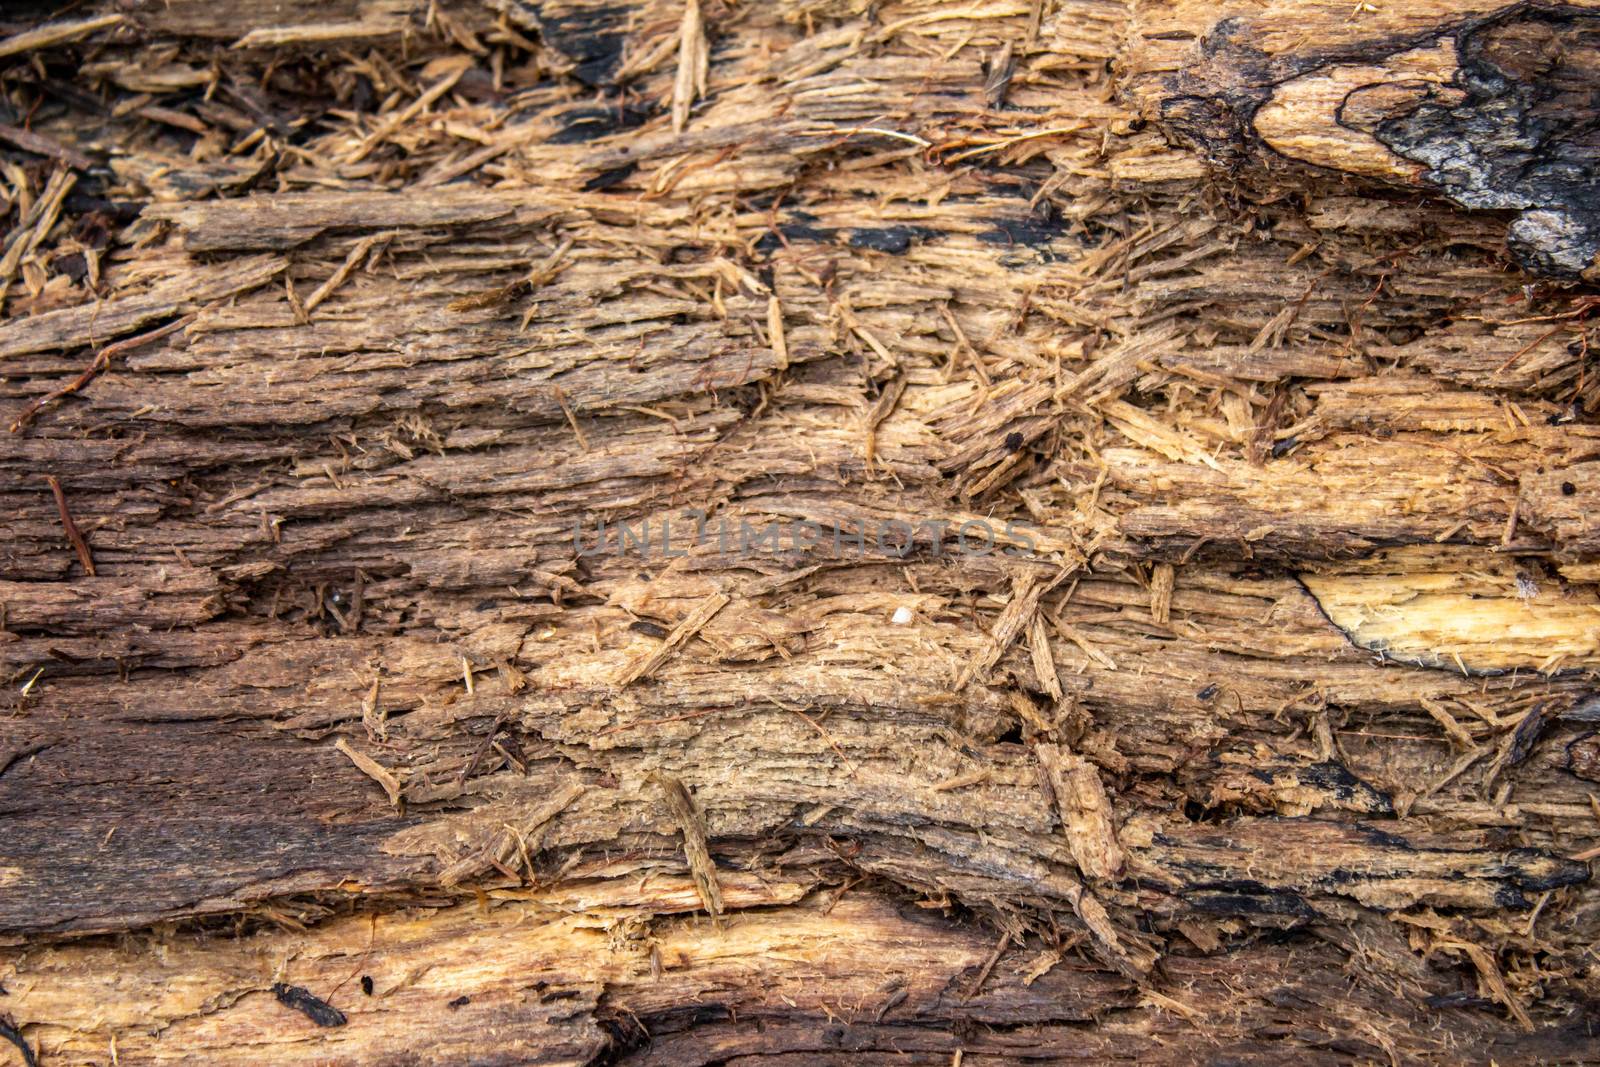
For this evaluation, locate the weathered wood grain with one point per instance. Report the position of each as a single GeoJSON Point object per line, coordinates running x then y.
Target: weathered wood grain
{"type": "Point", "coordinates": [1084, 508]}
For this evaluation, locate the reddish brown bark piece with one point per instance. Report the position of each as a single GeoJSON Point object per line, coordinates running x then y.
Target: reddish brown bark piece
{"type": "Point", "coordinates": [74, 535]}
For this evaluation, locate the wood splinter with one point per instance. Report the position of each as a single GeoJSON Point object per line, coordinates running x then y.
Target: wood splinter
{"type": "Point", "coordinates": [95, 369]}
{"type": "Point", "coordinates": [880, 410]}
{"type": "Point", "coordinates": [778, 339]}
{"type": "Point", "coordinates": [75, 535]}
{"type": "Point", "coordinates": [509, 842]}
{"type": "Point", "coordinates": [692, 823]}
{"type": "Point", "coordinates": [376, 771]}
{"type": "Point", "coordinates": [686, 629]}
{"type": "Point", "coordinates": [1085, 812]}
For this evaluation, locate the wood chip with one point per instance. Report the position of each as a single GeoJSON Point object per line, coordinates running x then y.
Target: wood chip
{"type": "Point", "coordinates": [1489, 971]}
{"type": "Point", "coordinates": [880, 410]}
{"type": "Point", "coordinates": [572, 419]}
{"type": "Point", "coordinates": [1077, 637]}
{"type": "Point", "coordinates": [1451, 725]}
{"type": "Point", "coordinates": [692, 824]}
{"type": "Point", "coordinates": [373, 717]}
{"type": "Point", "coordinates": [457, 66]}
{"type": "Point", "coordinates": [1085, 812]}
{"type": "Point", "coordinates": [1026, 589]}
{"type": "Point", "coordinates": [1044, 662]}
{"type": "Point", "coordinates": [57, 33]}
{"type": "Point", "coordinates": [686, 629]}
{"type": "Point", "coordinates": [321, 32]}
{"type": "Point", "coordinates": [37, 221]}
{"type": "Point", "coordinates": [40, 145]}
{"type": "Point", "coordinates": [1103, 934]}
{"type": "Point", "coordinates": [508, 842]}
{"type": "Point", "coordinates": [1163, 576]}
{"type": "Point", "coordinates": [694, 56]}
{"type": "Point", "coordinates": [376, 771]}
{"type": "Point", "coordinates": [775, 334]}
{"type": "Point", "coordinates": [362, 248]}
{"type": "Point", "coordinates": [998, 82]}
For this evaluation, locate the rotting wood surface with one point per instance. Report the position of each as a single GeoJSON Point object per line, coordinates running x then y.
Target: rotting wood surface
{"type": "Point", "coordinates": [1217, 374]}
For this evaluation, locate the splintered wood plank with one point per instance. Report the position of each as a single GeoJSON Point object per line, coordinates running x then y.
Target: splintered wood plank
{"type": "Point", "coordinates": [529, 972]}
{"type": "Point", "coordinates": [799, 532]}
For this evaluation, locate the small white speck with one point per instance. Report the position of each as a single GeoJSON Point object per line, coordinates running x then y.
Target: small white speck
{"type": "Point", "coordinates": [901, 616]}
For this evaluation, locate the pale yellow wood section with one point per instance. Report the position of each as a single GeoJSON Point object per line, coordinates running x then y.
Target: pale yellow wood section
{"type": "Point", "coordinates": [1465, 609]}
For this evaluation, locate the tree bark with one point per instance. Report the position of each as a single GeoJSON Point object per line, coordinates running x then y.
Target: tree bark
{"type": "Point", "coordinates": [799, 532]}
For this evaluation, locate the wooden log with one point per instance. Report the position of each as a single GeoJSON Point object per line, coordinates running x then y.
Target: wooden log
{"type": "Point", "coordinates": [799, 532]}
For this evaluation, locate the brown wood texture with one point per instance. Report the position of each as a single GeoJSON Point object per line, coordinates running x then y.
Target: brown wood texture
{"type": "Point", "coordinates": [1218, 376]}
